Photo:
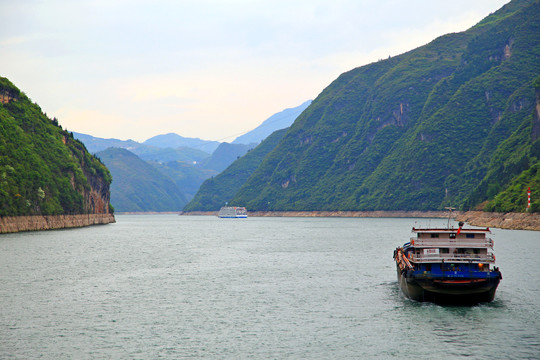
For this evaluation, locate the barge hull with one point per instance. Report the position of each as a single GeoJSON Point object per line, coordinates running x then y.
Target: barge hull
{"type": "Point", "coordinates": [448, 291]}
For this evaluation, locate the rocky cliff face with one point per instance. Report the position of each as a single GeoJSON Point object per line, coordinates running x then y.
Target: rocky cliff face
{"type": "Point", "coordinates": [97, 197]}
{"type": "Point", "coordinates": [7, 95]}
{"type": "Point", "coordinates": [96, 193]}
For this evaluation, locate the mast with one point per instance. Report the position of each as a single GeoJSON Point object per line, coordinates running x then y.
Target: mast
{"type": "Point", "coordinates": [450, 209]}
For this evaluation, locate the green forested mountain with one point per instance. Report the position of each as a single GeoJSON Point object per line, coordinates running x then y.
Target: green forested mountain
{"type": "Point", "coordinates": [214, 192]}
{"type": "Point", "coordinates": [43, 169]}
{"type": "Point", "coordinates": [514, 168]}
{"type": "Point", "coordinates": [430, 128]}
{"type": "Point", "coordinates": [138, 186]}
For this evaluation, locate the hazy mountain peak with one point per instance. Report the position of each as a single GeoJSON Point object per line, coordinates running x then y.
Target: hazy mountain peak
{"type": "Point", "coordinates": [172, 140]}
{"type": "Point", "coordinates": [278, 121]}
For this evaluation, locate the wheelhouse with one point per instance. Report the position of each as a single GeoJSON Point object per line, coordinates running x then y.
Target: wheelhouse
{"type": "Point", "coordinates": [450, 250]}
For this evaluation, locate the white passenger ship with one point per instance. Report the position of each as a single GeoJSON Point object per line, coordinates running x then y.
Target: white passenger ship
{"type": "Point", "coordinates": [233, 212]}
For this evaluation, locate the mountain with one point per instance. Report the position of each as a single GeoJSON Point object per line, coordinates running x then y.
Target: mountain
{"type": "Point", "coordinates": [172, 140]}
{"type": "Point", "coordinates": [184, 154]}
{"type": "Point", "coordinates": [138, 186]}
{"type": "Point", "coordinates": [187, 177]}
{"type": "Point", "coordinates": [186, 167]}
{"type": "Point", "coordinates": [145, 152]}
{"type": "Point", "coordinates": [96, 144]}
{"type": "Point", "coordinates": [224, 155]}
{"type": "Point", "coordinates": [281, 120]}
{"type": "Point", "coordinates": [219, 189]}
{"type": "Point", "coordinates": [43, 169]}
{"type": "Point", "coordinates": [419, 131]}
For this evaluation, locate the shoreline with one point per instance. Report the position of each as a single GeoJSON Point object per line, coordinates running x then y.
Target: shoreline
{"type": "Point", "coordinates": [14, 224]}
{"type": "Point", "coordinates": [366, 214]}
{"type": "Point", "coordinates": [511, 221]}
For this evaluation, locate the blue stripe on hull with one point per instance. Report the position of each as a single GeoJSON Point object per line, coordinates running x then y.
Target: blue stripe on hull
{"type": "Point", "coordinates": [449, 289]}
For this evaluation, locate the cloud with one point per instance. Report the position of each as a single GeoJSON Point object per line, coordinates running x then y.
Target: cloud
{"type": "Point", "coordinates": [203, 68]}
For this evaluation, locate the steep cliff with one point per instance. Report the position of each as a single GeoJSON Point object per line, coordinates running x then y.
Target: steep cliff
{"type": "Point", "coordinates": [43, 169]}
{"type": "Point", "coordinates": [514, 169]}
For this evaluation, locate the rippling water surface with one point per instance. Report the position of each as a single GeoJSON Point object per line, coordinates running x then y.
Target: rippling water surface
{"type": "Point", "coordinates": [170, 287]}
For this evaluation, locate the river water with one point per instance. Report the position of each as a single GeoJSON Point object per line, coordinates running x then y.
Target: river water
{"type": "Point", "coordinates": [179, 287]}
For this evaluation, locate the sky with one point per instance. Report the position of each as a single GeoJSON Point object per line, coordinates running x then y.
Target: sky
{"type": "Point", "coordinates": [133, 69]}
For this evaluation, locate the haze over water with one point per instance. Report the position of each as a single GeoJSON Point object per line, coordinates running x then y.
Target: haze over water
{"type": "Point", "coordinates": [174, 287]}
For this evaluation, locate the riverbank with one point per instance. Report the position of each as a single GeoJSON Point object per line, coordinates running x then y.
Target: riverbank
{"type": "Point", "coordinates": [514, 221]}
{"type": "Point", "coordinates": [379, 214]}
{"type": "Point", "coordinates": [13, 224]}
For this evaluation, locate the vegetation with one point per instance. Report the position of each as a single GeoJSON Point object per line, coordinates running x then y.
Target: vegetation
{"type": "Point", "coordinates": [513, 169]}
{"type": "Point", "coordinates": [43, 169]}
{"type": "Point", "coordinates": [447, 124]}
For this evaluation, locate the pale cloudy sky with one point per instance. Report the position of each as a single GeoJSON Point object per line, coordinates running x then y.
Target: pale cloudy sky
{"type": "Point", "coordinates": [132, 69]}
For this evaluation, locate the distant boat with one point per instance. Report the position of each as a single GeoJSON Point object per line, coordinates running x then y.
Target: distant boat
{"type": "Point", "coordinates": [233, 212]}
{"type": "Point", "coordinates": [452, 266]}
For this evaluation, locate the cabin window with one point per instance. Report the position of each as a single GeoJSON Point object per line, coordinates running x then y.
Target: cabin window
{"type": "Point", "coordinates": [452, 236]}
{"type": "Point", "coordinates": [470, 236]}
{"type": "Point", "coordinates": [444, 251]}
{"type": "Point", "coordinates": [434, 235]}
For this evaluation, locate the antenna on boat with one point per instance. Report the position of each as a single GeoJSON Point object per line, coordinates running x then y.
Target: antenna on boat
{"type": "Point", "coordinates": [450, 209]}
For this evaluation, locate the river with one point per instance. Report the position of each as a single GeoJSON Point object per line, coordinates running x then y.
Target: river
{"type": "Point", "coordinates": [199, 287]}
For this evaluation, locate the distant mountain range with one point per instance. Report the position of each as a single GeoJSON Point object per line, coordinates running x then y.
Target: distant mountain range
{"type": "Point", "coordinates": [158, 152]}
{"type": "Point", "coordinates": [168, 164]}
{"type": "Point", "coordinates": [174, 141]}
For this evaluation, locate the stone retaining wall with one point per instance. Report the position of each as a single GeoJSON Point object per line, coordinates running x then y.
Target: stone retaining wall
{"type": "Point", "coordinates": [12, 224]}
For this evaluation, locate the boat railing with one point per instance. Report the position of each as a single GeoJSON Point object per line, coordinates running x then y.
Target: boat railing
{"type": "Point", "coordinates": [460, 243]}
{"type": "Point", "coordinates": [423, 258]}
